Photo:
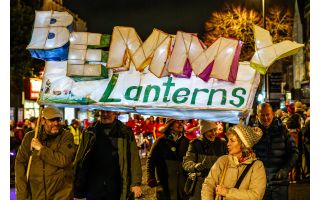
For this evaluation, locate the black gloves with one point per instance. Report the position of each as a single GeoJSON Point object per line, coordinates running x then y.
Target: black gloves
{"type": "Point", "coordinates": [282, 174]}
{"type": "Point", "coordinates": [199, 167]}
{"type": "Point", "coordinates": [205, 164]}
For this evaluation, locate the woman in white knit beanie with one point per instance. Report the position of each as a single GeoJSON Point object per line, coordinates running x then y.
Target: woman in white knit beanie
{"type": "Point", "coordinates": [226, 171]}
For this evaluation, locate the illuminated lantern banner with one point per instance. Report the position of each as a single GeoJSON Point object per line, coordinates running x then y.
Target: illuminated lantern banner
{"type": "Point", "coordinates": [169, 75]}
{"type": "Point", "coordinates": [133, 91]}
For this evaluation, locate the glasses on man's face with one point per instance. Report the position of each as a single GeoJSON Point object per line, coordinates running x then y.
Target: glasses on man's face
{"type": "Point", "coordinates": [57, 119]}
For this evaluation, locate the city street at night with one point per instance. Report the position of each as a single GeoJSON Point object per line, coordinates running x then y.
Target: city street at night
{"type": "Point", "coordinates": [297, 191]}
{"type": "Point", "coordinates": [216, 95]}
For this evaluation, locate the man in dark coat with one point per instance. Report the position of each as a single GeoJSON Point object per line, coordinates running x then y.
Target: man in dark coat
{"type": "Point", "coordinates": [107, 164]}
{"type": "Point", "coordinates": [203, 153]}
{"type": "Point", "coordinates": [51, 169]}
{"type": "Point", "coordinates": [164, 163]}
{"type": "Point", "coordinates": [278, 152]}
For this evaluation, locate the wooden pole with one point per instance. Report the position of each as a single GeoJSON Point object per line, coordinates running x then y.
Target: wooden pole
{"type": "Point", "coordinates": [222, 177]}
{"type": "Point", "coordinates": [35, 136]}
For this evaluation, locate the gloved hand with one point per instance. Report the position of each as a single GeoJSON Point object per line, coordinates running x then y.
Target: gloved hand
{"type": "Point", "coordinates": [152, 182]}
{"type": "Point", "coordinates": [282, 174]}
{"type": "Point", "coordinates": [199, 167]}
{"type": "Point", "coordinates": [205, 164]}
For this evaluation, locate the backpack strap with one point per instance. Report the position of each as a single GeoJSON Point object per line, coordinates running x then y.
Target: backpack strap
{"type": "Point", "coordinates": [245, 171]}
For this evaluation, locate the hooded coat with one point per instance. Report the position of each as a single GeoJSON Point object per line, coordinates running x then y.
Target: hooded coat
{"type": "Point", "coordinates": [51, 168]}
{"type": "Point", "coordinates": [252, 186]}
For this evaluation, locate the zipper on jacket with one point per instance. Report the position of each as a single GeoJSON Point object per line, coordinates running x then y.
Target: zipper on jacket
{"type": "Point", "coordinates": [84, 157]}
{"type": "Point", "coordinates": [86, 150]}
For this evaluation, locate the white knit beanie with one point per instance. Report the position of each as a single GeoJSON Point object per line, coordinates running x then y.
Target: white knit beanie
{"type": "Point", "coordinates": [248, 135]}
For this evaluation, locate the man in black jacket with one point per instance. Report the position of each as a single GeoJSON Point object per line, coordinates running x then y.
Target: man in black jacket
{"type": "Point", "coordinates": [107, 164]}
{"type": "Point", "coordinates": [277, 151]}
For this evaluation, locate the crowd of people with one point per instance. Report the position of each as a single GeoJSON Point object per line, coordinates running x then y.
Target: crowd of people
{"type": "Point", "coordinates": [186, 159]}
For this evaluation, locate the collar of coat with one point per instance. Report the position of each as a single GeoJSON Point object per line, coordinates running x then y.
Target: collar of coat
{"type": "Point", "coordinates": [249, 159]}
{"type": "Point", "coordinates": [43, 136]}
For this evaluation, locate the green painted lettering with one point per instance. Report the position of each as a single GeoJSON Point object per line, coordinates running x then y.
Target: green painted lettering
{"type": "Point", "coordinates": [112, 83]}
{"type": "Point", "coordinates": [223, 99]}
{"type": "Point", "coordinates": [176, 95]}
{"type": "Point", "coordinates": [137, 94]}
{"type": "Point", "coordinates": [241, 99]}
{"type": "Point", "coordinates": [194, 95]}
{"type": "Point", "coordinates": [148, 90]}
{"type": "Point", "coordinates": [168, 84]}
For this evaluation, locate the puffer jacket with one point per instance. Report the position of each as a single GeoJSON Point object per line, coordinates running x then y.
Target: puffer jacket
{"type": "Point", "coordinates": [51, 168]}
{"type": "Point", "coordinates": [278, 152]}
{"type": "Point", "coordinates": [129, 161]}
{"type": "Point", "coordinates": [165, 163]}
{"type": "Point", "coordinates": [252, 186]}
{"type": "Point", "coordinates": [200, 149]}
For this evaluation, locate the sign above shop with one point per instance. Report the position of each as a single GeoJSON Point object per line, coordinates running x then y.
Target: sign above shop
{"type": "Point", "coordinates": [32, 87]}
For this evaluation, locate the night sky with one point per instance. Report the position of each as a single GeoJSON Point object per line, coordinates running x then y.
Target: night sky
{"type": "Point", "coordinates": [168, 16]}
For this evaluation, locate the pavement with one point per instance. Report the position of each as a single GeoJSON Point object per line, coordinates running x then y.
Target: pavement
{"type": "Point", "coordinates": [297, 191]}
{"type": "Point", "coordinates": [148, 193]}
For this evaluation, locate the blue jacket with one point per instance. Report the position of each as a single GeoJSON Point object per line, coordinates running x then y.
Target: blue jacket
{"type": "Point", "coordinates": [277, 150]}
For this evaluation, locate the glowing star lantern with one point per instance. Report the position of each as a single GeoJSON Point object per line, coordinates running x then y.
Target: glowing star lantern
{"type": "Point", "coordinates": [267, 52]}
{"type": "Point", "coordinates": [50, 36]}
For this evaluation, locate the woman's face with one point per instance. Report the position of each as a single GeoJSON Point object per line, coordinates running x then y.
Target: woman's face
{"type": "Point", "coordinates": [161, 120]}
{"type": "Point", "coordinates": [178, 126]}
{"type": "Point", "coordinates": [151, 119]}
{"type": "Point", "coordinates": [233, 145]}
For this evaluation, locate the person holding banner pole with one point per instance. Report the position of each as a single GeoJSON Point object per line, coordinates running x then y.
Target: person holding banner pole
{"type": "Point", "coordinates": [238, 175]}
{"type": "Point", "coordinates": [52, 151]}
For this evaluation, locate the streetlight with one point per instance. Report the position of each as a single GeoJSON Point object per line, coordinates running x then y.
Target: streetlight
{"type": "Point", "coordinates": [265, 77]}
{"type": "Point", "coordinates": [263, 16]}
